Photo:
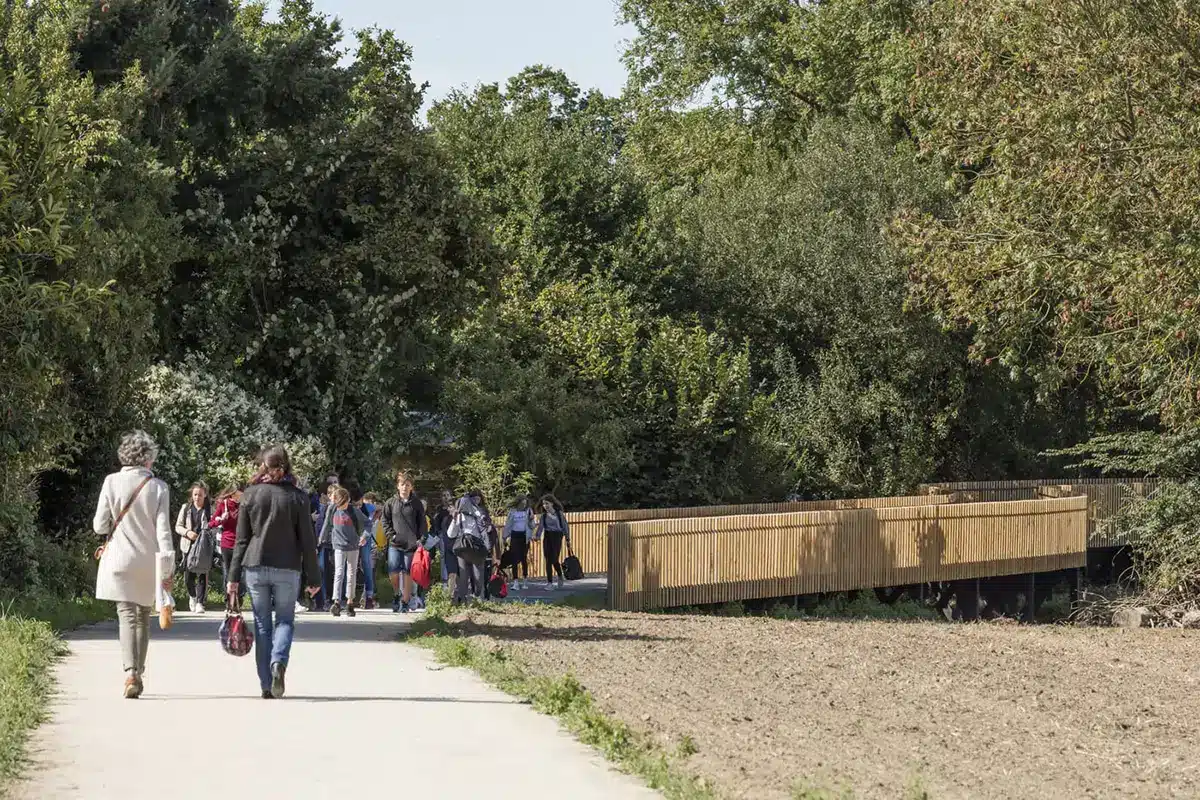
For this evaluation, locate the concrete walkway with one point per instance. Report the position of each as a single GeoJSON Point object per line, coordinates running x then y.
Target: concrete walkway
{"type": "Point", "coordinates": [364, 716]}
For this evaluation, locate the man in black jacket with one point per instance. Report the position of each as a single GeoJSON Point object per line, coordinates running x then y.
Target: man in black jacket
{"type": "Point", "coordinates": [404, 526]}
{"type": "Point", "coordinates": [275, 548]}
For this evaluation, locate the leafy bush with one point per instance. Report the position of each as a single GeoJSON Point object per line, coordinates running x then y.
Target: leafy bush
{"type": "Point", "coordinates": [1164, 532]}
{"type": "Point", "coordinates": [497, 478]}
{"type": "Point", "coordinates": [208, 428]}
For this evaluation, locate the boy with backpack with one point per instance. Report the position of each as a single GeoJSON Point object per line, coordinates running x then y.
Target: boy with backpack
{"type": "Point", "coordinates": [344, 526]}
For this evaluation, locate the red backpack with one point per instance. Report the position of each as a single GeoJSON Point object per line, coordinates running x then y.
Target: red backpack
{"type": "Point", "coordinates": [421, 573]}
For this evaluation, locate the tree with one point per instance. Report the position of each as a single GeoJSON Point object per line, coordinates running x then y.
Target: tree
{"type": "Point", "coordinates": [322, 227]}
{"type": "Point", "coordinates": [1071, 132]}
{"type": "Point", "coordinates": [82, 223]}
{"type": "Point", "coordinates": [782, 64]}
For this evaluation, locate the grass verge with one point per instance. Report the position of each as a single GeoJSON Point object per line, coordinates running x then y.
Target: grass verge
{"type": "Point", "coordinates": [29, 646]}
{"type": "Point", "coordinates": [565, 699]}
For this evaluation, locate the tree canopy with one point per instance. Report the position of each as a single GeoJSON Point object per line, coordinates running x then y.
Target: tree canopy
{"type": "Point", "coordinates": [814, 249]}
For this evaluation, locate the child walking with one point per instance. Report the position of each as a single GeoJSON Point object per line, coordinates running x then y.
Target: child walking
{"type": "Point", "coordinates": [345, 525]}
{"type": "Point", "coordinates": [366, 556]}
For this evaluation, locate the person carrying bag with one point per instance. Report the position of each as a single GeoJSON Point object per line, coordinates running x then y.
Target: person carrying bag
{"type": "Point", "coordinates": [469, 535]}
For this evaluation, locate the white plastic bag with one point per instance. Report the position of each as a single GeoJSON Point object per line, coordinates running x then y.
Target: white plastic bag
{"type": "Point", "coordinates": [165, 604]}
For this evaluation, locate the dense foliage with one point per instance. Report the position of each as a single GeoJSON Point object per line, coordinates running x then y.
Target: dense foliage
{"type": "Point", "coordinates": [816, 248]}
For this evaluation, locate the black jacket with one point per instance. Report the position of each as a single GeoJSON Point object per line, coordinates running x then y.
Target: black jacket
{"type": "Point", "coordinates": [441, 521]}
{"type": "Point", "coordinates": [275, 530]}
{"type": "Point", "coordinates": [404, 523]}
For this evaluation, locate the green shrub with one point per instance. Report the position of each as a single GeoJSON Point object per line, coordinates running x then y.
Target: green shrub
{"type": "Point", "coordinates": [1164, 532]}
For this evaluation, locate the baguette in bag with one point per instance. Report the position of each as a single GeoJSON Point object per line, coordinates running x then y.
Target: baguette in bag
{"type": "Point", "coordinates": [164, 603]}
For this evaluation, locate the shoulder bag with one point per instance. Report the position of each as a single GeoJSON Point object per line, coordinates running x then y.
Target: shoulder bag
{"type": "Point", "coordinates": [117, 522]}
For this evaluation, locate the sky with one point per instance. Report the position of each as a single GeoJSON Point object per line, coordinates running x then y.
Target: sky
{"type": "Point", "coordinates": [459, 43]}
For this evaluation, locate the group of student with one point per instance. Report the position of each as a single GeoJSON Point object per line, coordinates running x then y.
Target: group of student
{"type": "Point", "coordinates": [355, 532]}
{"type": "Point", "coordinates": [470, 548]}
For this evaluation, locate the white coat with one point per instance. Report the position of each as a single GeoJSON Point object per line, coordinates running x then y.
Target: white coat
{"type": "Point", "coordinates": [141, 552]}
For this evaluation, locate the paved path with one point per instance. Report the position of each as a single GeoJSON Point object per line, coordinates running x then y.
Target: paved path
{"type": "Point", "coordinates": [364, 716]}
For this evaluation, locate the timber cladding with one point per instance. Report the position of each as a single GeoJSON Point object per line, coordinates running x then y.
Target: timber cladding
{"type": "Point", "coordinates": [667, 563]}
{"type": "Point", "coordinates": [1106, 498]}
{"type": "Point", "coordinates": [589, 529]}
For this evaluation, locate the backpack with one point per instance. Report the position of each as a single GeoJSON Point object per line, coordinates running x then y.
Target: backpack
{"type": "Point", "coordinates": [420, 571]}
{"type": "Point", "coordinates": [497, 586]}
{"type": "Point", "coordinates": [572, 569]}
{"type": "Point", "coordinates": [469, 539]}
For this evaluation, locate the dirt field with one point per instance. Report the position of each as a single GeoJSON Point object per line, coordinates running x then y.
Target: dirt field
{"type": "Point", "coordinates": [970, 711]}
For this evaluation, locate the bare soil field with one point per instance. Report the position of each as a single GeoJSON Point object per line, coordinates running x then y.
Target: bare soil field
{"type": "Point", "coordinates": [966, 711]}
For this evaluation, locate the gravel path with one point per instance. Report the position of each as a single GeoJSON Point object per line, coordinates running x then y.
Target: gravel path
{"type": "Point", "coordinates": [978, 712]}
{"type": "Point", "coordinates": [364, 714]}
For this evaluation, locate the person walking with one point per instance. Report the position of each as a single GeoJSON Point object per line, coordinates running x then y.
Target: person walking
{"type": "Point", "coordinates": [191, 524]}
{"type": "Point", "coordinates": [518, 530]}
{"type": "Point", "coordinates": [324, 597]}
{"type": "Point", "coordinates": [404, 527]}
{"type": "Point", "coordinates": [369, 505]}
{"type": "Point", "coordinates": [275, 545]}
{"type": "Point", "coordinates": [344, 528]}
{"type": "Point", "coordinates": [138, 557]}
{"type": "Point", "coordinates": [552, 529]}
{"type": "Point", "coordinates": [469, 534]}
{"type": "Point", "coordinates": [225, 517]}
{"type": "Point", "coordinates": [440, 528]}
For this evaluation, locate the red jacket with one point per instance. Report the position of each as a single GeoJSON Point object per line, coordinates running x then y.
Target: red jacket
{"type": "Point", "coordinates": [225, 516]}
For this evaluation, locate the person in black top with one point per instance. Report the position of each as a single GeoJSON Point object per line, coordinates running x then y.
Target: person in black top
{"type": "Point", "coordinates": [275, 544]}
{"type": "Point", "coordinates": [404, 528]}
{"type": "Point", "coordinates": [439, 530]}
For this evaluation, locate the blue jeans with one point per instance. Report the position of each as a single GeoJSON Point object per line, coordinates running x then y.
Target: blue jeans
{"type": "Point", "coordinates": [273, 594]}
{"type": "Point", "coordinates": [399, 560]}
{"type": "Point", "coordinates": [366, 557]}
{"type": "Point", "coordinates": [449, 560]}
{"type": "Point", "coordinates": [325, 564]}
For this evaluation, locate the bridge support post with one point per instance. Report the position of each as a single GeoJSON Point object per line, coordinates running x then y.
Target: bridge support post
{"type": "Point", "coordinates": [1030, 604]}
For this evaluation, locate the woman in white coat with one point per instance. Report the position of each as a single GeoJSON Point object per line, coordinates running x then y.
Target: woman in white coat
{"type": "Point", "coordinates": [134, 516]}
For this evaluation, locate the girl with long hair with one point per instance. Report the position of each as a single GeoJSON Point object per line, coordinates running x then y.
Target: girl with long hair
{"type": "Point", "coordinates": [225, 517]}
{"type": "Point", "coordinates": [275, 545]}
{"type": "Point", "coordinates": [553, 529]}
{"type": "Point", "coordinates": [191, 524]}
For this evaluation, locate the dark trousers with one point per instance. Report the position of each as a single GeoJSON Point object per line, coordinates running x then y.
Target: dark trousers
{"type": "Point", "coordinates": [226, 560]}
{"type": "Point", "coordinates": [325, 563]}
{"type": "Point", "coordinates": [470, 576]}
{"type": "Point", "coordinates": [552, 550]}
{"type": "Point", "coordinates": [519, 545]}
{"type": "Point", "coordinates": [197, 585]}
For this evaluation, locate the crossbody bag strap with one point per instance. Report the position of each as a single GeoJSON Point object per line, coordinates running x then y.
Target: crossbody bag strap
{"type": "Point", "coordinates": [128, 505]}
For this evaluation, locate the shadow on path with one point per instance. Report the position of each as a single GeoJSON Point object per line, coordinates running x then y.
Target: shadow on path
{"type": "Point", "coordinates": [310, 627]}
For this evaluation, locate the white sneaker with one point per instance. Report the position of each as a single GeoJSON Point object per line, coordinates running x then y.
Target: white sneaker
{"type": "Point", "coordinates": [549, 587]}
{"type": "Point", "coordinates": [199, 607]}
{"type": "Point", "coordinates": [192, 604]}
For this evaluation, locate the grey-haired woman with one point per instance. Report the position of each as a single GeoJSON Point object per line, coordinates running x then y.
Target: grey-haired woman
{"type": "Point", "coordinates": [139, 554]}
